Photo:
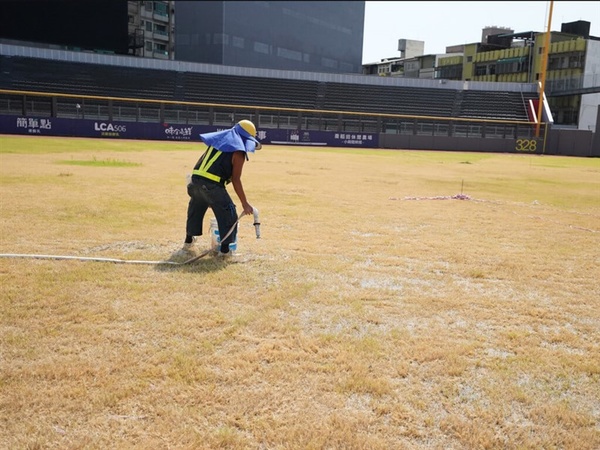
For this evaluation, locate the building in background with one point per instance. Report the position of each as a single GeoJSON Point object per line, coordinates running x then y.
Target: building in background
{"type": "Point", "coordinates": [152, 29]}
{"type": "Point", "coordinates": [286, 35]}
{"type": "Point", "coordinates": [138, 28]}
{"type": "Point", "coordinates": [395, 66]}
{"type": "Point", "coordinates": [91, 25]}
{"type": "Point", "coordinates": [572, 76]}
{"type": "Point", "coordinates": [572, 84]}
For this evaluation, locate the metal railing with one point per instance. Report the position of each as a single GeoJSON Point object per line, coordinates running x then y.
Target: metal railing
{"type": "Point", "coordinates": [584, 84]}
{"type": "Point", "coordinates": [38, 104]}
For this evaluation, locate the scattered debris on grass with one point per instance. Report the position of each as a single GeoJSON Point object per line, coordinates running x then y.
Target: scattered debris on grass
{"type": "Point", "coordinates": [439, 197]}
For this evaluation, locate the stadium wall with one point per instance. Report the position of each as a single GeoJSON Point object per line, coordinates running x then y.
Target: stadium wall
{"type": "Point", "coordinates": [490, 145]}
{"type": "Point", "coordinates": [575, 142]}
{"type": "Point", "coordinates": [556, 141]}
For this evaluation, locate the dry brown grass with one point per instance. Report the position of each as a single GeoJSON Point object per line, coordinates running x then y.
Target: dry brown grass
{"type": "Point", "coordinates": [360, 320]}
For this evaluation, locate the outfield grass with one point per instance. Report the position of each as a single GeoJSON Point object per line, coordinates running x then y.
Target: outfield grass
{"type": "Point", "coordinates": [375, 312]}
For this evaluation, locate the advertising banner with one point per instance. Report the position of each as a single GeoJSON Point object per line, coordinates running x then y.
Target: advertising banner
{"type": "Point", "coordinates": [50, 126]}
{"type": "Point", "coordinates": [321, 138]}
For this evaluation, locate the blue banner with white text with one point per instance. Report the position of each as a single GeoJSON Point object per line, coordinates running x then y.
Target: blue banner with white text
{"type": "Point", "coordinates": [49, 126]}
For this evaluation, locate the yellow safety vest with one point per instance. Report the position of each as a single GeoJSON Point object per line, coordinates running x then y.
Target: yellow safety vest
{"type": "Point", "coordinates": [211, 155]}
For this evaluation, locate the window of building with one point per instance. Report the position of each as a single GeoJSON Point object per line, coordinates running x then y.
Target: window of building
{"type": "Point", "coordinates": [221, 39]}
{"type": "Point", "coordinates": [564, 62]}
{"type": "Point", "coordinates": [449, 72]}
{"type": "Point", "coordinates": [237, 41]}
{"type": "Point", "coordinates": [261, 47]}
{"type": "Point", "coordinates": [160, 29]}
{"type": "Point", "coordinates": [396, 68]}
{"type": "Point", "coordinates": [469, 59]}
{"type": "Point", "coordinates": [149, 46]}
{"type": "Point", "coordinates": [480, 70]}
{"type": "Point", "coordinates": [512, 65]}
{"type": "Point", "coordinates": [575, 62]}
{"type": "Point", "coordinates": [160, 48]}
{"type": "Point", "coordinates": [148, 6]}
{"type": "Point", "coordinates": [289, 54]}
{"type": "Point", "coordinates": [161, 9]}
{"type": "Point", "coordinates": [316, 21]}
{"type": "Point", "coordinates": [328, 62]}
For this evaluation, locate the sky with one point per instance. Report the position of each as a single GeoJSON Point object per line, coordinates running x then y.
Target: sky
{"type": "Point", "coordinates": [444, 23]}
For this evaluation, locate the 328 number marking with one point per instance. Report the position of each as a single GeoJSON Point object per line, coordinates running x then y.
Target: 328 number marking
{"type": "Point", "coordinates": [526, 145]}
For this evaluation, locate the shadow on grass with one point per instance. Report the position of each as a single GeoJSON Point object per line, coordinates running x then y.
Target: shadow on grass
{"type": "Point", "coordinates": [204, 264]}
{"type": "Point", "coordinates": [195, 267]}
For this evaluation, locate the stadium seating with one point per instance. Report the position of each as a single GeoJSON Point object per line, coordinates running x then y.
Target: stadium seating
{"type": "Point", "coordinates": [44, 75]}
{"type": "Point", "coordinates": [502, 105]}
{"type": "Point", "coordinates": [391, 99]}
{"type": "Point", "coordinates": [50, 76]}
{"type": "Point", "coordinates": [210, 88]}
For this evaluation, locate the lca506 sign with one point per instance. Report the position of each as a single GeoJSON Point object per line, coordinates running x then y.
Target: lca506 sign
{"type": "Point", "coordinates": [103, 126]}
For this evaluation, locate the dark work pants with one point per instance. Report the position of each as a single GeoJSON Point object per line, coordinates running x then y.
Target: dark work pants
{"type": "Point", "coordinates": [206, 194]}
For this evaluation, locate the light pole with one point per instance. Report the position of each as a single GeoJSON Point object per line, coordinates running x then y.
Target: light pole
{"type": "Point", "coordinates": [543, 72]}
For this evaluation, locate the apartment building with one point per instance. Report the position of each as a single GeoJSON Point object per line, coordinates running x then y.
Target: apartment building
{"type": "Point", "coordinates": [572, 84]}
{"type": "Point", "coordinates": [151, 29]}
{"type": "Point", "coordinates": [572, 75]}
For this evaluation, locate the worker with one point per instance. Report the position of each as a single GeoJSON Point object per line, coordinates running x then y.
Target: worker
{"type": "Point", "coordinates": [220, 164]}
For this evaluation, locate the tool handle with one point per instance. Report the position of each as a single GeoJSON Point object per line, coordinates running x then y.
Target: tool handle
{"type": "Point", "coordinates": [256, 222]}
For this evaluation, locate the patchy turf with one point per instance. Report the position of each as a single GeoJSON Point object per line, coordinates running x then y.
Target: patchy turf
{"type": "Point", "coordinates": [396, 299]}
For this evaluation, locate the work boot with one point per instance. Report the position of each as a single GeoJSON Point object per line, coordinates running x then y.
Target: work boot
{"type": "Point", "coordinates": [188, 246]}
{"type": "Point", "coordinates": [186, 251]}
{"type": "Point", "coordinates": [225, 256]}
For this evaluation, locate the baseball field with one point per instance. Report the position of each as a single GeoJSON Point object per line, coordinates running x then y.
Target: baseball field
{"type": "Point", "coordinates": [395, 300]}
